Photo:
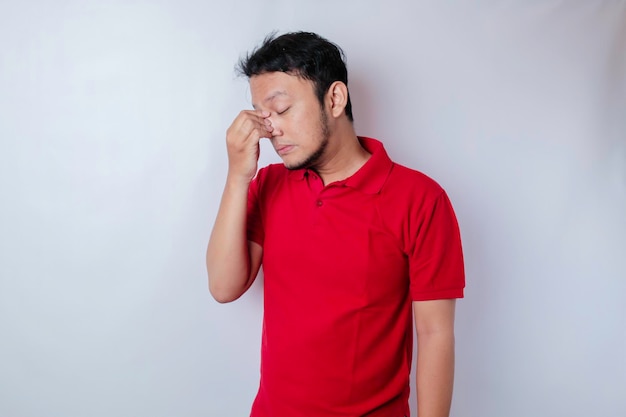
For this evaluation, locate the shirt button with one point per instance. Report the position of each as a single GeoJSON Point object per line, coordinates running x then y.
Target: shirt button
{"type": "Point", "coordinates": [319, 203]}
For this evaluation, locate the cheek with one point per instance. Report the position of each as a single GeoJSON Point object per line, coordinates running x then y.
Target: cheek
{"type": "Point", "coordinates": [305, 125]}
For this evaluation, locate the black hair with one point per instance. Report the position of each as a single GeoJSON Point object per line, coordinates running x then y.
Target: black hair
{"type": "Point", "coordinates": [304, 54]}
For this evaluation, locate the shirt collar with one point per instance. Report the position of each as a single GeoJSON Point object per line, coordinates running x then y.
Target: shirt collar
{"type": "Point", "coordinates": [371, 177]}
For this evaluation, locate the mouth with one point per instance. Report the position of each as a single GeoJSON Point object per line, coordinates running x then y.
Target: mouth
{"type": "Point", "coordinates": [284, 149]}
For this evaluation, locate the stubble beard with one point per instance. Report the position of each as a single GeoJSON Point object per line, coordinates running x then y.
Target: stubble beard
{"type": "Point", "coordinates": [313, 159]}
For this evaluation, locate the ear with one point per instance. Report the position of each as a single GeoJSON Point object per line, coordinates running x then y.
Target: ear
{"type": "Point", "coordinates": [337, 98]}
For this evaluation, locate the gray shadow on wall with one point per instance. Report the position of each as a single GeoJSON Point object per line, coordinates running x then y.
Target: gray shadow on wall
{"type": "Point", "coordinates": [362, 106]}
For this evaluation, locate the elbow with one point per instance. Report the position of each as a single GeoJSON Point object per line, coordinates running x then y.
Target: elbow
{"type": "Point", "coordinates": [222, 298]}
{"type": "Point", "coordinates": [226, 284]}
{"type": "Point", "coordinates": [222, 295]}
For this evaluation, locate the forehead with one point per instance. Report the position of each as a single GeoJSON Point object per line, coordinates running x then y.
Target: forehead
{"type": "Point", "coordinates": [270, 86]}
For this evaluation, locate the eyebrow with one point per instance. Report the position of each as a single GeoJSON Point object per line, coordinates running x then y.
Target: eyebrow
{"type": "Point", "coordinates": [272, 96]}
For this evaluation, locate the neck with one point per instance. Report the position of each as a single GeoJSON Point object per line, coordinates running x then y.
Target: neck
{"type": "Point", "coordinates": [344, 156]}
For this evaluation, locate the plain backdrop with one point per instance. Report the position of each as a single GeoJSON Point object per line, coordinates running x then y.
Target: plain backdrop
{"type": "Point", "coordinates": [112, 162]}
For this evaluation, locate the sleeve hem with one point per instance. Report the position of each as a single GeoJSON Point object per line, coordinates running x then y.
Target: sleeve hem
{"type": "Point", "coordinates": [438, 295]}
{"type": "Point", "coordinates": [255, 238]}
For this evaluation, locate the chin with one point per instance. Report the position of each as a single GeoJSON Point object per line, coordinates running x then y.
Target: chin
{"type": "Point", "coordinates": [294, 165]}
{"type": "Point", "coordinates": [290, 162]}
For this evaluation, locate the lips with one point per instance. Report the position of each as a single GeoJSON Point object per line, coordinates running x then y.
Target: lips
{"type": "Point", "coordinates": [283, 149]}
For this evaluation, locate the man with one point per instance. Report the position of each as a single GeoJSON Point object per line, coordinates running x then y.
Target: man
{"type": "Point", "coordinates": [354, 248]}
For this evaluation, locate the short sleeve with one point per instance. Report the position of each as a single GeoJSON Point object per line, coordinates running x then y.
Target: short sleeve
{"type": "Point", "coordinates": [436, 259]}
{"type": "Point", "coordinates": [254, 223]}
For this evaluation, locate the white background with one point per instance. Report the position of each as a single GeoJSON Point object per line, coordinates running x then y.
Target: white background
{"type": "Point", "coordinates": [112, 160]}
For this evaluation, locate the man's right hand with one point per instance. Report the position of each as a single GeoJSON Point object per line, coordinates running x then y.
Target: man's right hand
{"type": "Point", "coordinates": [242, 143]}
{"type": "Point", "coordinates": [233, 262]}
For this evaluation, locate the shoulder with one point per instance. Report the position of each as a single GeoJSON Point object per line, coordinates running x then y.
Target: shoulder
{"type": "Point", "coordinates": [272, 173]}
{"type": "Point", "coordinates": [410, 185]}
{"type": "Point", "coordinates": [411, 198]}
{"type": "Point", "coordinates": [414, 207]}
{"type": "Point", "coordinates": [274, 179]}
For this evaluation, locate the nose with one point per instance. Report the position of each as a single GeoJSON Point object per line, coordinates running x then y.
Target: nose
{"type": "Point", "coordinates": [277, 130]}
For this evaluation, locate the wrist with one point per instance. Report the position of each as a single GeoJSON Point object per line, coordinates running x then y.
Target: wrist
{"type": "Point", "coordinates": [235, 180]}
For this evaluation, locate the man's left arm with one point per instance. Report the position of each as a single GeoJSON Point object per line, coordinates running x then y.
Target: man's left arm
{"type": "Point", "coordinates": [434, 324]}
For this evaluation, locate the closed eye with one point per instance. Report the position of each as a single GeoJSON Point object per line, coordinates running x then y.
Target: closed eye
{"type": "Point", "coordinates": [282, 112]}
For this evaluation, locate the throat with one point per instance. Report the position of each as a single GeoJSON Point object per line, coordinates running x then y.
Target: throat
{"type": "Point", "coordinates": [343, 166]}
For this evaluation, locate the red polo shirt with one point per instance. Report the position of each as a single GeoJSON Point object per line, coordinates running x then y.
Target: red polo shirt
{"type": "Point", "coordinates": [342, 263]}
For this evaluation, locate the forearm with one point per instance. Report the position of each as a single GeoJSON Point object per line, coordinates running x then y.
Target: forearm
{"type": "Point", "coordinates": [435, 373]}
{"type": "Point", "coordinates": [228, 257]}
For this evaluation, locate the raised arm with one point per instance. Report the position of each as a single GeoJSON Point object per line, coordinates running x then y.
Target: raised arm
{"type": "Point", "coordinates": [232, 261]}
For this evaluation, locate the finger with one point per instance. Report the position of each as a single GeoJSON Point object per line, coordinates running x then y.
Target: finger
{"type": "Point", "coordinates": [255, 114]}
{"type": "Point", "coordinates": [257, 134]}
{"type": "Point", "coordinates": [247, 114]}
{"type": "Point", "coordinates": [266, 131]}
{"type": "Point", "coordinates": [265, 123]}
{"type": "Point", "coordinates": [264, 127]}
{"type": "Point", "coordinates": [260, 117]}
{"type": "Point", "coordinates": [247, 122]}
